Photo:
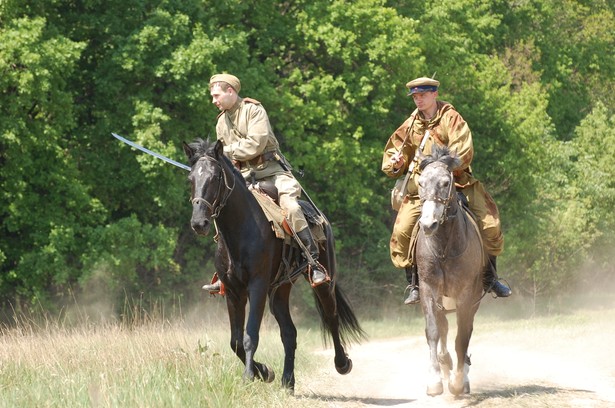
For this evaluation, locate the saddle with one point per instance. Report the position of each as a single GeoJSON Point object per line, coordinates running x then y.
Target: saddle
{"type": "Point", "coordinates": [267, 196]}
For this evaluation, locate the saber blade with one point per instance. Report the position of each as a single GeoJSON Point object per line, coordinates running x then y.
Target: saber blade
{"type": "Point", "coordinates": [158, 155]}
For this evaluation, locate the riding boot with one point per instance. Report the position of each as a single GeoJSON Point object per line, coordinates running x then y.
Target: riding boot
{"type": "Point", "coordinates": [490, 280]}
{"type": "Point", "coordinates": [413, 279]}
{"type": "Point", "coordinates": [318, 275]}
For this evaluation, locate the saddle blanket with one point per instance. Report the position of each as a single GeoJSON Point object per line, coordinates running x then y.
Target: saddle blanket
{"type": "Point", "coordinates": [277, 216]}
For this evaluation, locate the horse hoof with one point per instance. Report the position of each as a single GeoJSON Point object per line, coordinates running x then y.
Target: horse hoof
{"type": "Point", "coordinates": [346, 369]}
{"type": "Point", "coordinates": [270, 376]}
{"type": "Point", "coordinates": [435, 389]}
{"type": "Point", "coordinates": [456, 391]}
{"type": "Point", "coordinates": [264, 373]}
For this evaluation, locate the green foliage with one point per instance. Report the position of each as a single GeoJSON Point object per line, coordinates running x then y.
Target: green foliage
{"type": "Point", "coordinates": [44, 206]}
{"type": "Point", "coordinates": [345, 66]}
{"type": "Point", "coordinates": [130, 257]}
{"type": "Point", "coordinates": [534, 79]}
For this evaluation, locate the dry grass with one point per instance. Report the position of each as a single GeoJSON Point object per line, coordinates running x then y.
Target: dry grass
{"type": "Point", "coordinates": [149, 364]}
{"type": "Point", "coordinates": [154, 362]}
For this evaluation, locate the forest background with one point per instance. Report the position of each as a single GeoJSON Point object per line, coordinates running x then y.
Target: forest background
{"type": "Point", "coordinates": [83, 215]}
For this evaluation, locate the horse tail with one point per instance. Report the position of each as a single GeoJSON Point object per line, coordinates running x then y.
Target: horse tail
{"type": "Point", "coordinates": [349, 328]}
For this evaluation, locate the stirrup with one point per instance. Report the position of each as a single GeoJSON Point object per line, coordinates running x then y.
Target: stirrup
{"type": "Point", "coordinates": [414, 296]}
{"type": "Point", "coordinates": [321, 277]}
{"type": "Point", "coordinates": [213, 288]}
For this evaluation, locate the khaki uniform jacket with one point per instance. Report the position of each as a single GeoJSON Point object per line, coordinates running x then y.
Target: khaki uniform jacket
{"type": "Point", "coordinates": [246, 134]}
{"type": "Point", "coordinates": [446, 128]}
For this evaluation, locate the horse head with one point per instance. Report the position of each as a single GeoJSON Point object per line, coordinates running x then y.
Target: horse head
{"type": "Point", "coordinates": [209, 180]}
{"type": "Point", "coordinates": [436, 187]}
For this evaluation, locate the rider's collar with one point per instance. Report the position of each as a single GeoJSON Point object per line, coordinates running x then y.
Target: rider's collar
{"type": "Point", "coordinates": [234, 108]}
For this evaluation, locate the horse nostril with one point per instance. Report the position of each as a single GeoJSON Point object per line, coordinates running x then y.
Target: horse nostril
{"type": "Point", "coordinates": [200, 227]}
{"type": "Point", "coordinates": [429, 227]}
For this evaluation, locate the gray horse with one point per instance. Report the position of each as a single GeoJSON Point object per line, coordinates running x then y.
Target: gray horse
{"type": "Point", "coordinates": [450, 260]}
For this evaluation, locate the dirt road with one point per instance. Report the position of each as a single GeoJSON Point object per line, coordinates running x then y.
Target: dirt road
{"type": "Point", "coordinates": [519, 370]}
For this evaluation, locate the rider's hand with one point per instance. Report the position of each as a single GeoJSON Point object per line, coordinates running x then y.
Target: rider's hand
{"type": "Point", "coordinates": [397, 160]}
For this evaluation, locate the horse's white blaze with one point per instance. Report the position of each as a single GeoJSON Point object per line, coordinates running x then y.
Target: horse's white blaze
{"type": "Point", "coordinates": [431, 213]}
{"type": "Point", "coordinates": [200, 170]}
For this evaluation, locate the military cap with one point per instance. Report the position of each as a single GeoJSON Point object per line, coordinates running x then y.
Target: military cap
{"type": "Point", "coordinates": [422, 84]}
{"type": "Point", "coordinates": [232, 80]}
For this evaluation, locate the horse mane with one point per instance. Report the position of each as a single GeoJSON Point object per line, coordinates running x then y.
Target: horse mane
{"type": "Point", "coordinates": [202, 148]}
{"type": "Point", "coordinates": [440, 154]}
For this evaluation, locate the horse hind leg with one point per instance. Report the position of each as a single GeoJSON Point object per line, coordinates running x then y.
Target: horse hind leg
{"type": "Point", "coordinates": [279, 302]}
{"type": "Point", "coordinates": [446, 365]}
{"type": "Point", "coordinates": [327, 309]}
{"type": "Point", "coordinates": [339, 320]}
{"type": "Point", "coordinates": [460, 384]}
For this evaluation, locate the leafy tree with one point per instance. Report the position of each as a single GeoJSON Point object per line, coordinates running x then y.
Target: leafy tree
{"type": "Point", "coordinates": [45, 208]}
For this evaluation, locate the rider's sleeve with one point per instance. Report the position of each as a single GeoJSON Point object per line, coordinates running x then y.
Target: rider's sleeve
{"type": "Point", "coordinates": [393, 145]}
{"type": "Point", "coordinates": [459, 138]}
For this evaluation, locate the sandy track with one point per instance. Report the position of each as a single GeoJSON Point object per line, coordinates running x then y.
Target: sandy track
{"type": "Point", "coordinates": [504, 372]}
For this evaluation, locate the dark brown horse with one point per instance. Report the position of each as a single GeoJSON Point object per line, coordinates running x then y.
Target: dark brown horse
{"type": "Point", "coordinates": [253, 265]}
{"type": "Point", "coordinates": [450, 261]}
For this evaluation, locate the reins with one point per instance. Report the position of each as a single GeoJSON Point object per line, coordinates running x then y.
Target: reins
{"type": "Point", "coordinates": [221, 197]}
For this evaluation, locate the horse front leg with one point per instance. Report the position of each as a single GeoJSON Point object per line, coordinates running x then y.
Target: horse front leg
{"type": "Point", "coordinates": [258, 297]}
{"type": "Point", "coordinates": [236, 306]}
{"type": "Point", "coordinates": [432, 333]}
{"type": "Point", "coordinates": [465, 325]}
{"type": "Point", "coordinates": [444, 357]}
{"type": "Point", "coordinates": [288, 332]}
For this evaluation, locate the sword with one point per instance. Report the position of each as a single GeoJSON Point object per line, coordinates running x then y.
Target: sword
{"type": "Point", "coordinates": [158, 155]}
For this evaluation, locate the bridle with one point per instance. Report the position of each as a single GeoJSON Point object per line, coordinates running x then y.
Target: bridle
{"type": "Point", "coordinates": [443, 252]}
{"type": "Point", "coordinates": [444, 201]}
{"type": "Point", "coordinates": [221, 197]}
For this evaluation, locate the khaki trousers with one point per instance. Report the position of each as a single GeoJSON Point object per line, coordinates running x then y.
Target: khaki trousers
{"type": "Point", "coordinates": [289, 191]}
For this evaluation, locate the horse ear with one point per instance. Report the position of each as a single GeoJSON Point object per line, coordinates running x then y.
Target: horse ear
{"type": "Point", "coordinates": [219, 148]}
{"type": "Point", "coordinates": [188, 150]}
{"type": "Point", "coordinates": [452, 160]}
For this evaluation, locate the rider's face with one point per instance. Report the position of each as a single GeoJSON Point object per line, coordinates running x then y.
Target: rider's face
{"type": "Point", "coordinates": [425, 101]}
{"type": "Point", "coordinates": [223, 99]}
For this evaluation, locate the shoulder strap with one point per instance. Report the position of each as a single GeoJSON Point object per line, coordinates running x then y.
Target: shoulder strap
{"type": "Point", "coordinates": [251, 100]}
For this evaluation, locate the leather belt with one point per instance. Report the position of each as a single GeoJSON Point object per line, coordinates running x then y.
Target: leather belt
{"type": "Point", "coordinates": [262, 158]}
